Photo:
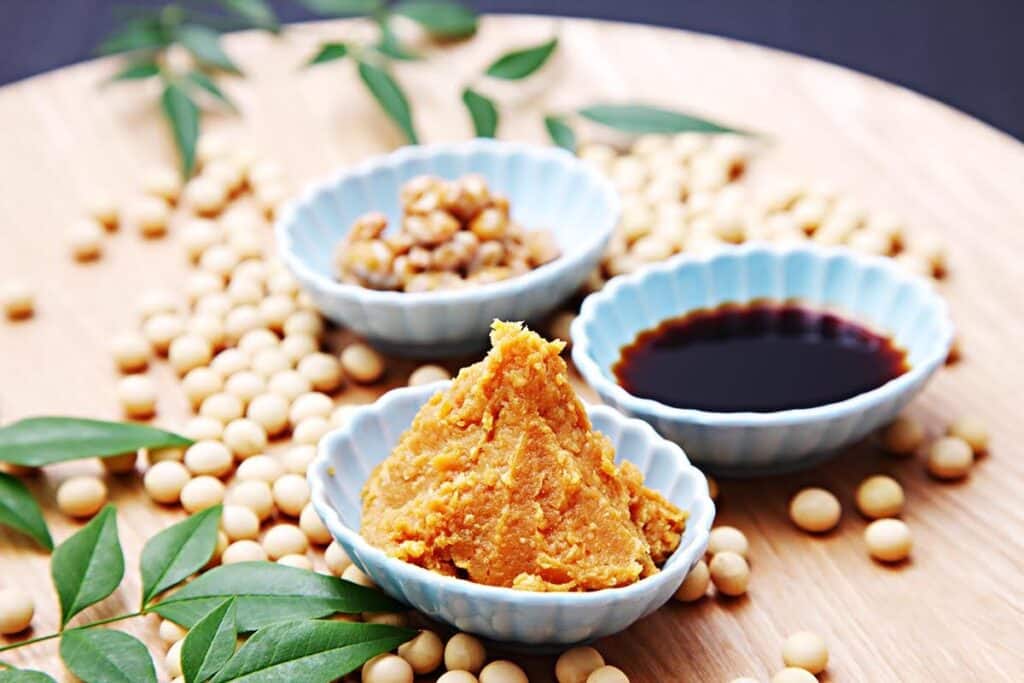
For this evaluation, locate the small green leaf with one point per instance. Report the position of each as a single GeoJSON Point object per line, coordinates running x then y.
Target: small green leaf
{"type": "Point", "coordinates": [440, 19]}
{"type": "Point", "coordinates": [268, 593]}
{"type": "Point", "coordinates": [205, 83]}
{"type": "Point", "coordinates": [560, 132]}
{"type": "Point", "coordinates": [137, 70]}
{"type": "Point", "coordinates": [37, 441]}
{"type": "Point", "coordinates": [328, 53]}
{"type": "Point", "coordinates": [390, 45]}
{"type": "Point", "coordinates": [204, 43]}
{"type": "Point", "coordinates": [482, 111]}
{"type": "Point", "coordinates": [390, 97]}
{"type": "Point", "coordinates": [105, 656]}
{"type": "Point", "coordinates": [341, 8]}
{"type": "Point", "coordinates": [20, 511]}
{"type": "Point", "coordinates": [178, 551]}
{"type": "Point", "coordinates": [88, 566]}
{"type": "Point", "coordinates": [143, 33]}
{"type": "Point", "coordinates": [257, 13]}
{"type": "Point", "coordinates": [638, 118]}
{"type": "Point", "coordinates": [209, 644]}
{"type": "Point", "coordinates": [310, 651]}
{"type": "Point", "coordinates": [518, 64]}
{"type": "Point", "coordinates": [24, 676]}
{"type": "Point", "coordinates": [183, 115]}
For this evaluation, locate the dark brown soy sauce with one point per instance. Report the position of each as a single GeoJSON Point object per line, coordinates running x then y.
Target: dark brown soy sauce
{"type": "Point", "coordinates": [760, 357]}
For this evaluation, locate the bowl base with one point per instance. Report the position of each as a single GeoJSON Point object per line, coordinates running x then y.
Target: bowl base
{"type": "Point", "coordinates": [430, 350]}
{"type": "Point", "coordinates": [743, 471]}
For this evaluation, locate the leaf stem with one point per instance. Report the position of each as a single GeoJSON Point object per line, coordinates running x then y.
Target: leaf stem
{"type": "Point", "coordinates": [83, 627]}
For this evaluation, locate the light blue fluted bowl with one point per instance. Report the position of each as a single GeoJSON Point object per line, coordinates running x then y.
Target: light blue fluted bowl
{"type": "Point", "coordinates": [866, 289]}
{"type": "Point", "coordinates": [547, 188]}
{"type": "Point", "coordinates": [346, 456]}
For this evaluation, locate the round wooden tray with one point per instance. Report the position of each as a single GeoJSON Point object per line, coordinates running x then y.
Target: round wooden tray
{"type": "Point", "coordinates": [947, 615]}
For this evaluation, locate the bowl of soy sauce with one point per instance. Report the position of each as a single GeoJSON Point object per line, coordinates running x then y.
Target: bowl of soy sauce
{"type": "Point", "coordinates": [763, 358]}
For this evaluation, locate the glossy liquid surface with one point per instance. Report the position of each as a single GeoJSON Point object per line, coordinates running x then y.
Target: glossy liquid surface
{"type": "Point", "coordinates": [759, 357]}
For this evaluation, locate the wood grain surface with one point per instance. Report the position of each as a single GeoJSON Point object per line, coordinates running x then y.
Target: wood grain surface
{"type": "Point", "coordinates": [953, 613]}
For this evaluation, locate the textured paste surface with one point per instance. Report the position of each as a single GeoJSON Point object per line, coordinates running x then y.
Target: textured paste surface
{"type": "Point", "coordinates": [501, 480]}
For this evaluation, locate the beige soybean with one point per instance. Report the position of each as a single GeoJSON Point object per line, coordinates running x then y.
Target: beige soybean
{"type": "Point", "coordinates": [322, 370]}
{"type": "Point", "coordinates": [283, 283]}
{"type": "Point", "coordinates": [200, 428]}
{"type": "Point", "coordinates": [245, 438]}
{"type": "Point", "coordinates": [155, 301]}
{"type": "Point", "coordinates": [297, 459]}
{"type": "Point", "coordinates": [242, 319]}
{"type": "Point", "coordinates": [200, 384]}
{"type": "Point", "coordinates": [815, 510]}
{"type": "Point", "coordinates": [342, 414]}
{"type": "Point", "coordinates": [311, 430]}
{"type": "Point", "coordinates": [209, 327]}
{"type": "Point", "coordinates": [149, 215]}
{"type": "Point", "coordinates": [165, 480]}
{"type": "Point", "coordinates": [16, 611]}
{"type": "Point", "coordinates": [239, 522]}
{"type": "Point", "coordinates": [255, 495]}
{"type": "Point", "coordinates": [163, 182]}
{"type": "Point", "coordinates": [463, 652]}
{"type": "Point", "coordinates": [85, 239]}
{"type": "Point", "coordinates": [336, 558]}
{"type": "Point", "coordinates": [805, 650]}
{"type": "Point", "coordinates": [172, 661]}
{"type": "Point", "coordinates": [269, 362]}
{"type": "Point", "coordinates": [17, 300]}
{"type": "Point", "coordinates": [362, 363]}
{"type": "Point", "coordinates": [230, 361]}
{"type": "Point", "coordinates": [285, 539]}
{"type": "Point", "coordinates": [217, 304]}
{"type": "Point", "coordinates": [269, 411]}
{"type": "Point", "coordinates": [103, 209]}
{"type": "Point", "coordinates": [222, 406]}
{"type": "Point", "coordinates": [198, 235]}
{"type": "Point", "coordinates": [888, 540]}
{"type": "Point", "coordinates": [162, 329]}
{"type": "Point", "coordinates": [201, 493]}
{"type": "Point", "coordinates": [244, 290]}
{"type": "Point", "coordinates": [297, 561]}
{"type": "Point", "coordinates": [257, 340]}
{"type": "Point", "coordinates": [903, 437]}
{"type": "Point", "coordinates": [728, 538]}
{"type": "Point", "coordinates": [137, 395]}
{"type": "Point", "coordinates": [608, 674]}
{"type": "Point", "coordinates": [206, 195]}
{"type": "Point", "coordinates": [209, 457]}
{"type": "Point", "coordinates": [879, 496]}
{"type": "Point", "coordinates": [428, 374]}
{"type": "Point", "coordinates": [275, 309]}
{"type": "Point", "coordinates": [170, 632]}
{"type": "Point", "coordinates": [175, 453]}
{"type": "Point", "coordinates": [259, 468]}
{"type": "Point", "coordinates": [312, 404]}
{"type": "Point", "coordinates": [355, 575]}
{"type": "Point", "coordinates": [695, 585]}
{"type": "Point", "coordinates": [123, 463]}
{"type": "Point", "coordinates": [457, 677]}
{"type": "Point", "coordinates": [573, 666]}
{"type": "Point", "coordinates": [730, 573]}
{"type": "Point", "coordinates": [189, 351]}
{"type": "Point", "coordinates": [972, 430]}
{"type": "Point", "coordinates": [304, 322]}
{"type": "Point", "coordinates": [131, 352]}
{"type": "Point", "coordinates": [81, 496]}
{"type": "Point", "coordinates": [502, 671]}
{"type": "Point", "coordinates": [291, 493]}
{"type": "Point", "coordinates": [290, 384]}
{"type": "Point", "coordinates": [950, 458]}
{"type": "Point", "coordinates": [793, 674]}
{"type": "Point", "coordinates": [298, 346]}
{"type": "Point", "coordinates": [387, 668]}
{"type": "Point", "coordinates": [243, 551]}
{"type": "Point", "coordinates": [313, 526]}
{"type": "Point", "coordinates": [423, 653]}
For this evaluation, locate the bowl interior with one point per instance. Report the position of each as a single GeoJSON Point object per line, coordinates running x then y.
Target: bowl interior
{"type": "Point", "coordinates": [547, 188]}
{"type": "Point", "coordinates": [865, 290]}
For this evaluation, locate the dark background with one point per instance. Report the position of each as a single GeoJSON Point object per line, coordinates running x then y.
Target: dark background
{"type": "Point", "coordinates": [967, 53]}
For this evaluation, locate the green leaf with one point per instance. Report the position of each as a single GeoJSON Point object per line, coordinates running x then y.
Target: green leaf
{"type": "Point", "coordinates": [310, 651]}
{"type": "Point", "coordinates": [137, 70]}
{"type": "Point", "coordinates": [341, 8]}
{"type": "Point", "coordinates": [257, 13]}
{"type": "Point", "coordinates": [204, 82]}
{"type": "Point", "coordinates": [24, 676]}
{"type": "Point", "coordinates": [482, 111]}
{"type": "Point", "coordinates": [204, 43]}
{"type": "Point", "coordinates": [88, 566]}
{"type": "Point", "coordinates": [20, 511]}
{"type": "Point", "coordinates": [440, 19]}
{"type": "Point", "coordinates": [105, 656]}
{"type": "Point", "coordinates": [142, 33]}
{"type": "Point", "coordinates": [518, 64]}
{"type": "Point", "coordinates": [328, 52]}
{"type": "Point", "coordinates": [209, 644]}
{"type": "Point", "coordinates": [183, 115]}
{"type": "Point", "coordinates": [178, 551]}
{"type": "Point", "coordinates": [390, 45]}
{"type": "Point", "coordinates": [267, 593]}
{"type": "Point", "coordinates": [560, 132]}
{"type": "Point", "coordinates": [390, 97]}
{"type": "Point", "coordinates": [37, 441]}
{"type": "Point", "coordinates": [638, 118]}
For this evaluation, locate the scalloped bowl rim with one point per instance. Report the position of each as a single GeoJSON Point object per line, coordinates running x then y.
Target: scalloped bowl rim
{"type": "Point", "coordinates": [681, 559]}
{"type": "Point", "coordinates": [412, 153]}
{"type": "Point", "coordinates": [595, 377]}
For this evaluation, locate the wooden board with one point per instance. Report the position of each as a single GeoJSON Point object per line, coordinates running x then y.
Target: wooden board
{"type": "Point", "coordinates": [951, 614]}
